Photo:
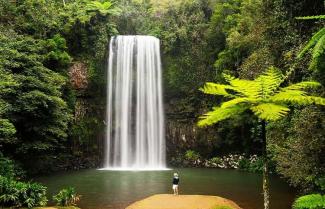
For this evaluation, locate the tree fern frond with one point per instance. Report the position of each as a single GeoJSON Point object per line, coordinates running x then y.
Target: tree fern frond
{"type": "Point", "coordinates": [217, 89]}
{"type": "Point", "coordinates": [269, 81]}
{"type": "Point", "coordinates": [237, 101]}
{"type": "Point", "coordinates": [247, 88]}
{"type": "Point", "coordinates": [311, 17]}
{"type": "Point", "coordinates": [219, 113]}
{"type": "Point", "coordinates": [270, 111]}
{"type": "Point", "coordinates": [296, 97]}
{"type": "Point", "coordinates": [228, 78]}
{"type": "Point", "coordinates": [319, 48]}
{"type": "Point", "coordinates": [103, 8]}
{"type": "Point", "coordinates": [313, 41]}
{"type": "Point", "coordinates": [302, 85]}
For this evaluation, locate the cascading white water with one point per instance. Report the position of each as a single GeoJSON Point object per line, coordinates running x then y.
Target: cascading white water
{"type": "Point", "coordinates": [135, 119]}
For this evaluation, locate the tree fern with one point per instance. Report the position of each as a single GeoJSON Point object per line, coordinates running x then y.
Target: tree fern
{"type": "Point", "coordinates": [312, 201]}
{"type": "Point", "coordinates": [263, 96]}
{"type": "Point", "coordinates": [104, 8]}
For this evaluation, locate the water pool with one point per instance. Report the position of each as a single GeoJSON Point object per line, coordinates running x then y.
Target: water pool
{"type": "Point", "coordinates": [102, 189]}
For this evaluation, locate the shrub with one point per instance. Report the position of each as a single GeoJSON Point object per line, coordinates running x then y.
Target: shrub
{"type": "Point", "coordinates": [256, 165]}
{"type": "Point", "coordinates": [7, 168]}
{"type": "Point", "coordinates": [215, 160]}
{"type": "Point", "coordinates": [244, 164]}
{"type": "Point", "coordinates": [66, 197]}
{"type": "Point", "coordinates": [312, 201]}
{"type": "Point", "coordinates": [21, 194]}
{"type": "Point", "coordinates": [191, 155]}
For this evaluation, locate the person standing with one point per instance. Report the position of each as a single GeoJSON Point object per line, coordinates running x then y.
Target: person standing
{"type": "Point", "coordinates": [175, 183]}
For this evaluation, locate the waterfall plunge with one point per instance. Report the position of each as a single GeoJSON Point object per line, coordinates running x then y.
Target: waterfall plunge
{"type": "Point", "coordinates": [135, 137]}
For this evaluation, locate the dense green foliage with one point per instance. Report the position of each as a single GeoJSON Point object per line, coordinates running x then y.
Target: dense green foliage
{"type": "Point", "coordinates": [39, 40]}
{"type": "Point", "coordinates": [20, 194]}
{"type": "Point", "coordinates": [295, 142]}
{"type": "Point", "coordinates": [312, 201]}
{"type": "Point", "coordinates": [10, 169]}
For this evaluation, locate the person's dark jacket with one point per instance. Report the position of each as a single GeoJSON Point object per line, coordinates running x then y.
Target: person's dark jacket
{"type": "Point", "coordinates": [175, 180]}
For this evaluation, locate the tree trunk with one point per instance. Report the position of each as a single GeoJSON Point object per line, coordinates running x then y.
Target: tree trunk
{"type": "Point", "coordinates": [266, 189]}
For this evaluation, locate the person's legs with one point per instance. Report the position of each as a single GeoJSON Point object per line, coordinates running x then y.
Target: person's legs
{"type": "Point", "coordinates": [176, 190]}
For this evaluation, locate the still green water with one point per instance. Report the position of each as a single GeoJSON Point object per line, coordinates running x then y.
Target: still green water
{"type": "Point", "coordinates": [117, 189]}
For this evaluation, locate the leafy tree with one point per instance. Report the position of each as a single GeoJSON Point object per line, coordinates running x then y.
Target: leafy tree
{"type": "Point", "coordinates": [7, 129]}
{"type": "Point", "coordinates": [38, 112]}
{"type": "Point", "coordinates": [263, 97]}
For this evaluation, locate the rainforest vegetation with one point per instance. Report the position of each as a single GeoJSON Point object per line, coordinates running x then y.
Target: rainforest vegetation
{"type": "Point", "coordinates": [53, 58]}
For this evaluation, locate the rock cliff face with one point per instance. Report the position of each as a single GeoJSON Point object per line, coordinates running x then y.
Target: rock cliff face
{"type": "Point", "coordinates": [78, 76]}
{"type": "Point", "coordinates": [182, 134]}
{"type": "Point", "coordinates": [87, 132]}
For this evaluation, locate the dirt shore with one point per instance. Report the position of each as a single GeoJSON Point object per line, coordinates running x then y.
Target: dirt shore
{"type": "Point", "coordinates": [167, 201]}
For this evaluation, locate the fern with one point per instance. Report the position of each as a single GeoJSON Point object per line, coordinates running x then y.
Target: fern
{"type": "Point", "coordinates": [312, 42]}
{"type": "Point", "coordinates": [104, 8]}
{"type": "Point", "coordinates": [312, 201]}
{"type": "Point", "coordinates": [303, 85]}
{"type": "Point", "coordinates": [263, 96]}
{"type": "Point", "coordinates": [270, 111]}
{"type": "Point", "coordinates": [219, 114]}
{"type": "Point", "coordinates": [217, 89]}
{"type": "Point", "coordinates": [270, 81]}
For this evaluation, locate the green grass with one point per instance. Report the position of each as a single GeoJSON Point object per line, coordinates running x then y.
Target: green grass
{"type": "Point", "coordinates": [223, 207]}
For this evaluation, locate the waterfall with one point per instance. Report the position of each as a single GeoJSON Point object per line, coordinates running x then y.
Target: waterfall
{"type": "Point", "coordinates": [135, 118]}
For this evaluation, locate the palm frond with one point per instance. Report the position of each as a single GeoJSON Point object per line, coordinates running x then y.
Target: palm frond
{"type": "Point", "coordinates": [219, 113]}
{"type": "Point", "coordinates": [313, 41]}
{"type": "Point", "coordinates": [269, 81]}
{"type": "Point", "coordinates": [270, 111]}
{"type": "Point", "coordinates": [217, 89]}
